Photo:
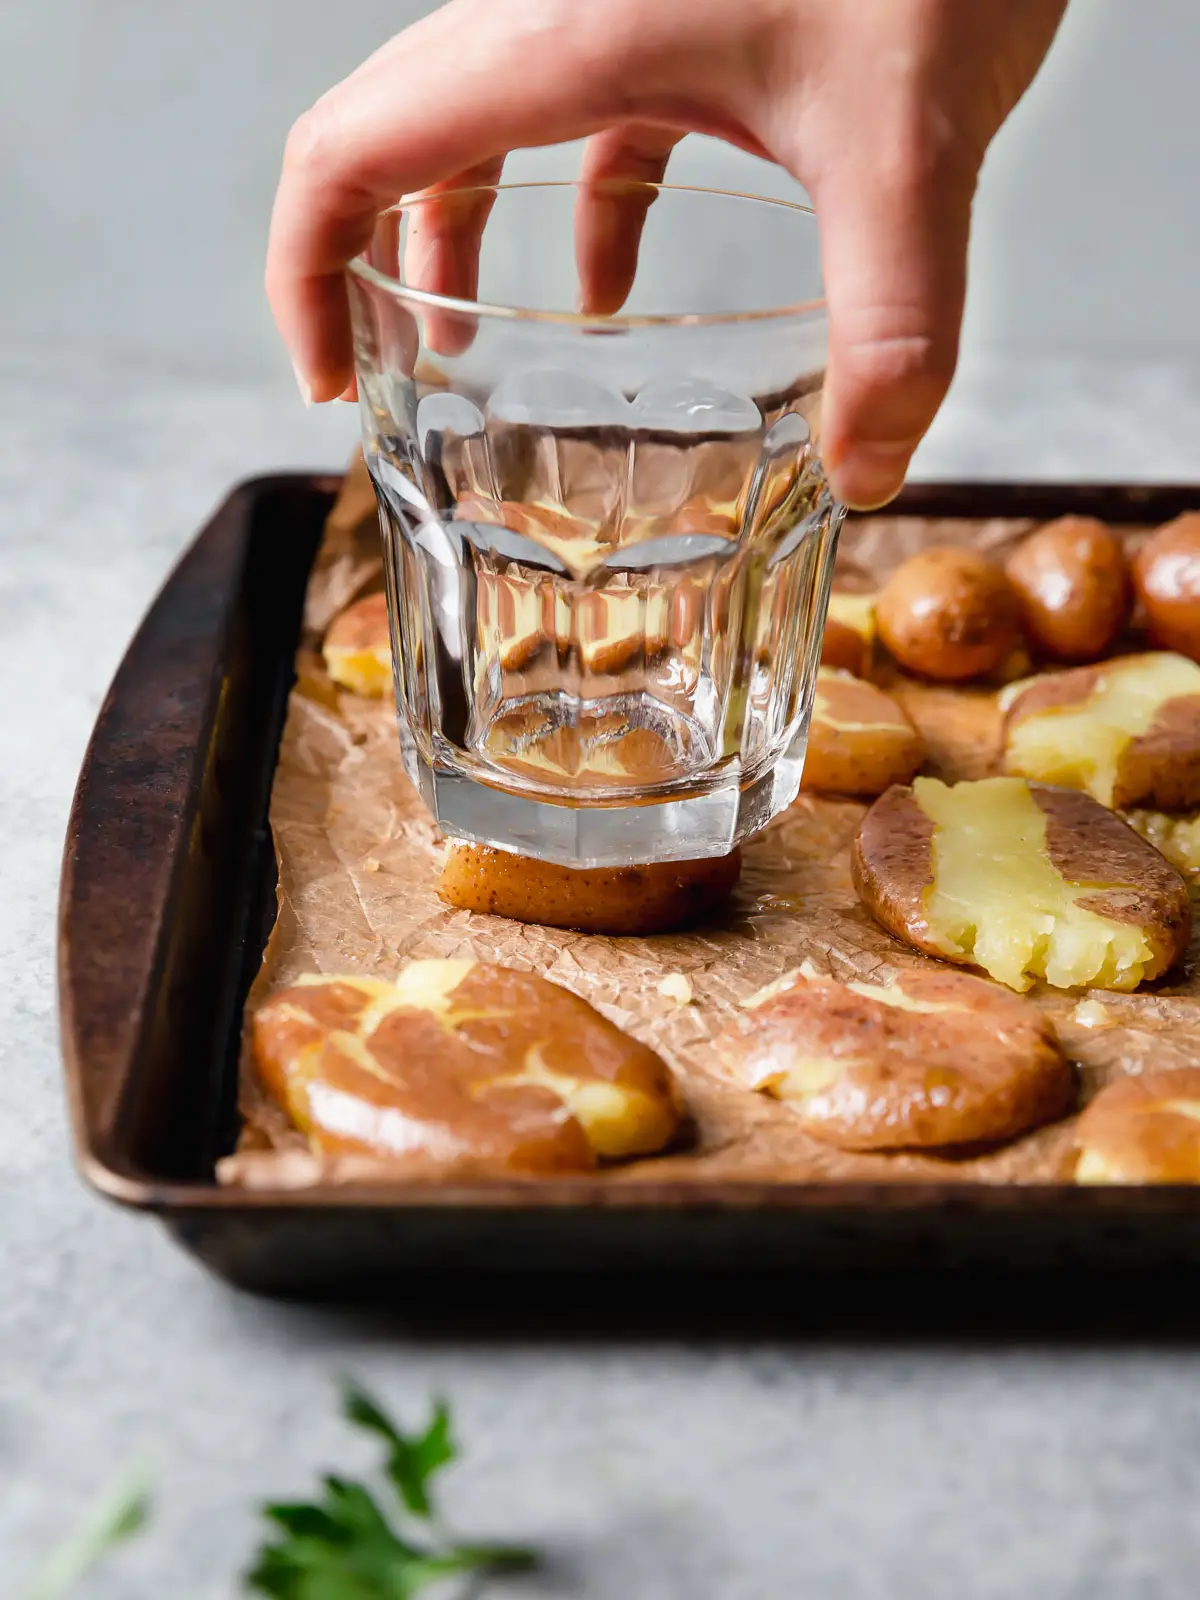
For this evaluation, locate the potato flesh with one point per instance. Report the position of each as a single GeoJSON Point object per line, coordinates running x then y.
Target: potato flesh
{"type": "Point", "coordinates": [1081, 746]}
{"type": "Point", "coordinates": [822, 710]}
{"type": "Point", "coordinates": [366, 672]}
{"type": "Point", "coordinates": [854, 611]}
{"type": "Point", "coordinates": [1177, 838]}
{"type": "Point", "coordinates": [426, 985]}
{"type": "Point", "coordinates": [889, 995]}
{"type": "Point", "coordinates": [615, 1118]}
{"type": "Point", "coordinates": [805, 1078]}
{"type": "Point", "coordinates": [998, 900]}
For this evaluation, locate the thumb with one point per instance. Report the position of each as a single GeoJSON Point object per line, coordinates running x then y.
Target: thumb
{"type": "Point", "coordinates": [894, 255]}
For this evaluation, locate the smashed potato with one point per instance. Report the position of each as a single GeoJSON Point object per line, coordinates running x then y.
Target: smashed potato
{"type": "Point", "coordinates": [849, 642]}
{"type": "Point", "coordinates": [1142, 1130]}
{"type": "Point", "coordinates": [934, 1058]}
{"type": "Point", "coordinates": [1072, 581]}
{"type": "Point", "coordinates": [461, 1062]}
{"type": "Point", "coordinates": [358, 651]}
{"type": "Point", "coordinates": [1023, 880]}
{"type": "Point", "coordinates": [1177, 838]}
{"type": "Point", "coordinates": [618, 900]}
{"type": "Point", "coordinates": [1127, 732]}
{"type": "Point", "coordinates": [859, 741]}
{"type": "Point", "coordinates": [948, 614]}
{"type": "Point", "coordinates": [1166, 574]}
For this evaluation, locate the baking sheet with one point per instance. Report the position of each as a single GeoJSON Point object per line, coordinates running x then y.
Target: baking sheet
{"type": "Point", "coordinates": [358, 860]}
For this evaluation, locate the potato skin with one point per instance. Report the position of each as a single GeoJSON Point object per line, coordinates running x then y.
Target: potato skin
{"type": "Point", "coordinates": [848, 644]}
{"type": "Point", "coordinates": [1159, 769]}
{"type": "Point", "coordinates": [444, 1072]}
{"type": "Point", "coordinates": [357, 647]}
{"type": "Point", "coordinates": [1166, 575]}
{"type": "Point", "coordinates": [1072, 582]}
{"type": "Point", "coordinates": [1103, 847]}
{"type": "Point", "coordinates": [616, 900]}
{"type": "Point", "coordinates": [843, 759]}
{"type": "Point", "coordinates": [844, 649]}
{"type": "Point", "coordinates": [1132, 1132]}
{"type": "Point", "coordinates": [948, 614]}
{"type": "Point", "coordinates": [891, 863]}
{"type": "Point", "coordinates": [977, 1064]}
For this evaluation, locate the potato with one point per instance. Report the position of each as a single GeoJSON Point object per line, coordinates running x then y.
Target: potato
{"type": "Point", "coordinates": [1177, 838]}
{"type": "Point", "coordinates": [933, 1058]}
{"type": "Point", "coordinates": [849, 641]}
{"type": "Point", "coordinates": [1166, 575]}
{"type": "Point", "coordinates": [1072, 582]}
{"type": "Point", "coordinates": [618, 627]}
{"type": "Point", "coordinates": [460, 1062]}
{"type": "Point", "coordinates": [612, 629]}
{"type": "Point", "coordinates": [859, 741]}
{"type": "Point", "coordinates": [1023, 880]}
{"type": "Point", "coordinates": [948, 614]}
{"type": "Point", "coordinates": [1126, 732]}
{"type": "Point", "coordinates": [514, 619]}
{"type": "Point", "coordinates": [1142, 1130]}
{"type": "Point", "coordinates": [617, 900]}
{"type": "Point", "coordinates": [577, 541]}
{"type": "Point", "coordinates": [357, 649]}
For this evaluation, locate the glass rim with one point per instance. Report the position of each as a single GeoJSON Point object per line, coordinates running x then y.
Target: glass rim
{"type": "Point", "coordinates": [582, 320]}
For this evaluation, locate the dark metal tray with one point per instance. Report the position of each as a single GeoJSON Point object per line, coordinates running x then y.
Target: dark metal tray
{"type": "Point", "coordinates": [167, 895]}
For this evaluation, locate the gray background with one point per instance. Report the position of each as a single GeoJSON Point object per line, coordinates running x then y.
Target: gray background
{"type": "Point", "coordinates": [138, 377]}
{"type": "Point", "coordinates": [139, 142]}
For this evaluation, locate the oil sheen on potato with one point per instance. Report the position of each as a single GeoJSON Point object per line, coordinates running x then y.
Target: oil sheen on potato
{"type": "Point", "coordinates": [1081, 745]}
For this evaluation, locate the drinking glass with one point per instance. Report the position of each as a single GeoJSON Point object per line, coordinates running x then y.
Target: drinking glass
{"type": "Point", "coordinates": [592, 415]}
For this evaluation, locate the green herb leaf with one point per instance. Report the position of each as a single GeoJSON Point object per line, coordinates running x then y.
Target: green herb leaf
{"type": "Point", "coordinates": [344, 1547]}
{"type": "Point", "coordinates": [121, 1514]}
{"type": "Point", "coordinates": [341, 1549]}
{"type": "Point", "coordinates": [412, 1462]}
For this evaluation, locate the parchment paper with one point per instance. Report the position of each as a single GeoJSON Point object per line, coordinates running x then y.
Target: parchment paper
{"type": "Point", "coordinates": [359, 855]}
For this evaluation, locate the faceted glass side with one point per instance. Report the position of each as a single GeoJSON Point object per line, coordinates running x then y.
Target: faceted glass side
{"type": "Point", "coordinates": [598, 599]}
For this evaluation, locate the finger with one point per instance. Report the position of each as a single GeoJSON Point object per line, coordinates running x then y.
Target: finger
{"type": "Point", "coordinates": [609, 219]}
{"type": "Point", "coordinates": [477, 77]}
{"type": "Point", "coordinates": [894, 254]}
{"type": "Point", "coordinates": [442, 247]}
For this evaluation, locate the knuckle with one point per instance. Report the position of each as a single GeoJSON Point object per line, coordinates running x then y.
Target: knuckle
{"type": "Point", "coordinates": [897, 377]}
{"type": "Point", "coordinates": [310, 140]}
{"type": "Point", "coordinates": [894, 359]}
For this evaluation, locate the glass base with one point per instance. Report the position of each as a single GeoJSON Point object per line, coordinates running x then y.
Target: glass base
{"type": "Point", "coordinates": [613, 835]}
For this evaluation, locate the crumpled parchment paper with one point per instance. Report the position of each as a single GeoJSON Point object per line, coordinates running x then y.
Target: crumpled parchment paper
{"type": "Point", "coordinates": [358, 859]}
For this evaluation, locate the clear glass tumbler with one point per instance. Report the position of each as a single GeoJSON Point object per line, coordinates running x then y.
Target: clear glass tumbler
{"type": "Point", "coordinates": [592, 415]}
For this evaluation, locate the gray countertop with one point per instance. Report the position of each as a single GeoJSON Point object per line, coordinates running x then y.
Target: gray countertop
{"type": "Point", "coordinates": [770, 1468]}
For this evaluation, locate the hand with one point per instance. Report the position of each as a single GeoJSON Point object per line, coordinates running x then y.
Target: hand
{"type": "Point", "coordinates": [883, 109]}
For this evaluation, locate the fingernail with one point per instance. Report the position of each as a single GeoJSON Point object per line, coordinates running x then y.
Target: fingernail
{"type": "Point", "coordinates": [303, 386]}
{"type": "Point", "coordinates": [869, 475]}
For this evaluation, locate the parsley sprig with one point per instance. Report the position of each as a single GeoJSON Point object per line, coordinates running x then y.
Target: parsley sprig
{"type": "Point", "coordinates": [343, 1545]}
{"type": "Point", "coordinates": [346, 1546]}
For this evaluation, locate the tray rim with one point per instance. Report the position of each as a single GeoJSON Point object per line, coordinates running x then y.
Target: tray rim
{"type": "Point", "coordinates": [516, 1196]}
